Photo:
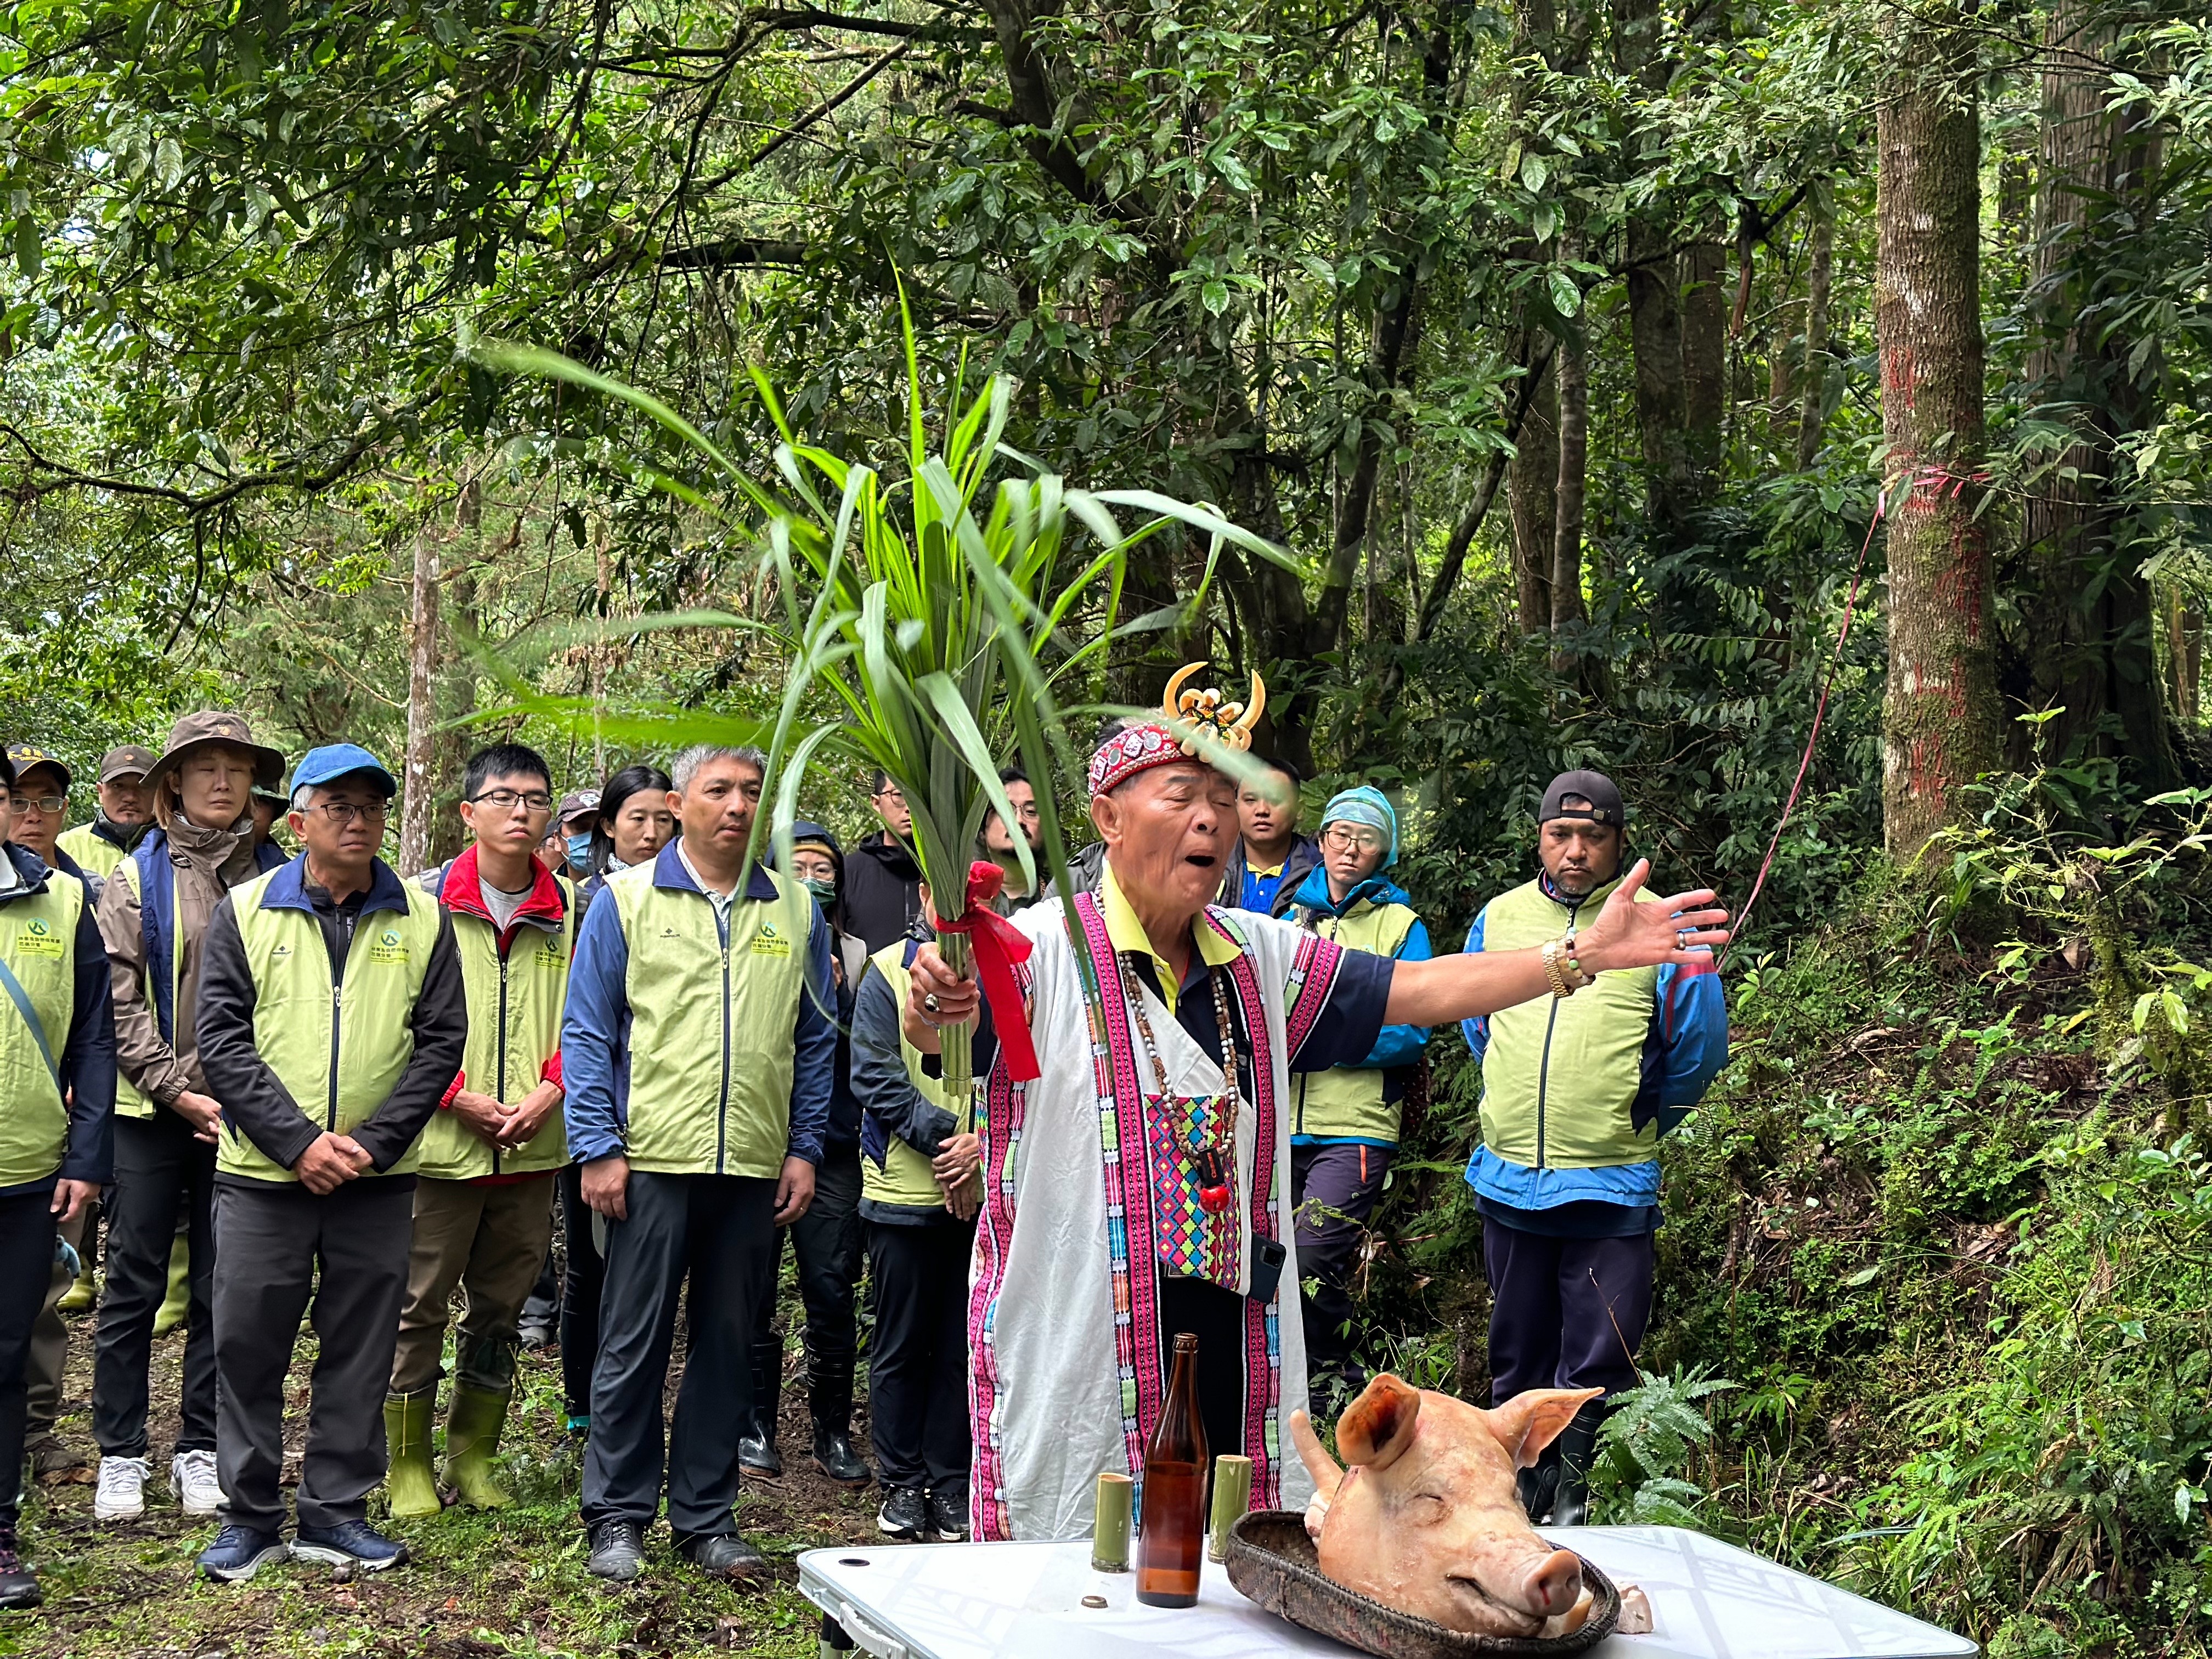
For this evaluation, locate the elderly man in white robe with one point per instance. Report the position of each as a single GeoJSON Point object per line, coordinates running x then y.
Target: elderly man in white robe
{"type": "Point", "coordinates": [1147, 1191]}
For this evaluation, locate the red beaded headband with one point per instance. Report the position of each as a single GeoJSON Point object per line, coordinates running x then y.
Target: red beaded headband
{"type": "Point", "coordinates": [1203, 714]}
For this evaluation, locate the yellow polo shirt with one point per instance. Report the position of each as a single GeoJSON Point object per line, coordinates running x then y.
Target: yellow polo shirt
{"type": "Point", "coordinates": [1126, 934]}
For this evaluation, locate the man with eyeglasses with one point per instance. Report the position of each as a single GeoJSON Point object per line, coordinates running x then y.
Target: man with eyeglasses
{"type": "Point", "coordinates": [1576, 1095]}
{"type": "Point", "coordinates": [1020, 892]}
{"type": "Point", "coordinates": [1345, 1121]}
{"type": "Point", "coordinates": [883, 884]}
{"type": "Point", "coordinates": [332, 1019]}
{"type": "Point", "coordinates": [121, 816]}
{"type": "Point", "coordinates": [483, 1196]}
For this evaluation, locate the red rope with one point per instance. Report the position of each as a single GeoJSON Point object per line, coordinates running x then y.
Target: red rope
{"type": "Point", "coordinates": [1820, 714]}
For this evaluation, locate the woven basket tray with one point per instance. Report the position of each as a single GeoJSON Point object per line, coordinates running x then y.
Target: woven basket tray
{"type": "Point", "coordinates": [1272, 1561]}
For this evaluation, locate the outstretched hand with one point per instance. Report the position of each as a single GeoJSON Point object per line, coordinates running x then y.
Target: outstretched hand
{"type": "Point", "coordinates": [1627, 934]}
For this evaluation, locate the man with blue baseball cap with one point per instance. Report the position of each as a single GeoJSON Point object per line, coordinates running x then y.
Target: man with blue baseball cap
{"type": "Point", "coordinates": [331, 1020]}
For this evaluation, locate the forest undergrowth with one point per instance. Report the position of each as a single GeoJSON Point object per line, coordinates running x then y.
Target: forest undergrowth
{"type": "Point", "coordinates": [1937, 1266]}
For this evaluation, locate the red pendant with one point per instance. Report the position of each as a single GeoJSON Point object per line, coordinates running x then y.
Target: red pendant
{"type": "Point", "coordinates": [1214, 1199]}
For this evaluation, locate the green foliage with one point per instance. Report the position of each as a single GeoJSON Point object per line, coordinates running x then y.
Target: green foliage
{"type": "Point", "coordinates": [1652, 1434]}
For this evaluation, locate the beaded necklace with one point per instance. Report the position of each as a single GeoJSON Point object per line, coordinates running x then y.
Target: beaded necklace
{"type": "Point", "coordinates": [1206, 1155]}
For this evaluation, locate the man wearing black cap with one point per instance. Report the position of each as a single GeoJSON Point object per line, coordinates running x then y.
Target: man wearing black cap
{"type": "Point", "coordinates": [57, 1105]}
{"type": "Point", "coordinates": [120, 818]}
{"type": "Point", "coordinates": [1575, 1093]}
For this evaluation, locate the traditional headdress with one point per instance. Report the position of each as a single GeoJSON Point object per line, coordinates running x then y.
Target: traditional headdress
{"type": "Point", "coordinates": [1202, 713]}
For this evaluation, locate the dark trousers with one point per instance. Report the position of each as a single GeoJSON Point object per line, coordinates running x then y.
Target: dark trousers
{"type": "Point", "coordinates": [1566, 1313]}
{"type": "Point", "coordinates": [826, 1243]}
{"type": "Point", "coordinates": [582, 1274]}
{"type": "Point", "coordinates": [269, 1241]}
{"type": "Point", "coordinates": [161, 1171]}
{"type": "Point", "coordinates": [918, 1371]}
{"type": "Point", "coordinates": [1335, 1189]}
{"type": "Point", "coordinates": [720, 1231]}
{"type": "Point", "coordinates": [26, 1250]}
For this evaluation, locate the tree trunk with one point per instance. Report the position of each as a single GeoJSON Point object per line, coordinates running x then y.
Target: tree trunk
{"type": "Point", "coordinates": [2087, 612]}
{"type": "Point", "coordinates": [418, 774]}
{"type": "Point", "coordinates": [1941, 722]}
{"type": "Point", "coordinates": [1705, 368]}
{"type": "Point", "coordinates": [1532, 486]}
{"type": "Point", "coordinates": [1813, 403]}
{"type": "Point", "coordinates": [1655, 318]}
{"type": "Point", "coordinates": [1573, 373]}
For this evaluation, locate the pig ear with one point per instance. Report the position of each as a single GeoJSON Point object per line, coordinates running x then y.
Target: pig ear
{"type": "Point", "coordinates": [1376, 1428]}
{"type": "Point", "coordinates": [1529, 1422]}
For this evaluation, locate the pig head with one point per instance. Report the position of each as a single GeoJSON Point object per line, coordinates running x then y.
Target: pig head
{"type": "Point", "coordinates": [1424, 1517]}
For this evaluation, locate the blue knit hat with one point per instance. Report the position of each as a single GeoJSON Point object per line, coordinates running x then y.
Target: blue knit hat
{"type": "Point", "coordinates": [1371, 806]}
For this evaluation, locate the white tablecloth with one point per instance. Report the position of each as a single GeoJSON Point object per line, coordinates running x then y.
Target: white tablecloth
{"type": "Point", "coordinates": [1708, 1601]}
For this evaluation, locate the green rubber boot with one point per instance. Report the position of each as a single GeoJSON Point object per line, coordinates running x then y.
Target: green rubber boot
{"type": "Point", "coordinates": [408, 1481]}
{"type": "Point", "coordinates": [179, 1301]}
{"type": "Point", "coordinates": [473, 1431]}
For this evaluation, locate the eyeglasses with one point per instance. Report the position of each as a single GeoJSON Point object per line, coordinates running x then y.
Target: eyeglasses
{"type": "Point", "coordinates": [1338, 839]}
{"type": "Point", "coordinates": [42, 803]}
{"type": "Point", "coordinates": [507, 800]}
{"type": "Point", "coordinates": [343, 812]}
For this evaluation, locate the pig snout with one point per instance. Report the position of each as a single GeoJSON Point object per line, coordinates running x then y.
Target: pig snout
{"type": "Point", "coordinates": [1552, 1584]}
{"type": "Point", "coordinates": [1529, 1577]}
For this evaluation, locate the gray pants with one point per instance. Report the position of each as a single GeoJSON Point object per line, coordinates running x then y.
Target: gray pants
{"type": "Point", "coordinates": [719, 1229]}
{"type": "Point", "coordinates": [269, 1243]}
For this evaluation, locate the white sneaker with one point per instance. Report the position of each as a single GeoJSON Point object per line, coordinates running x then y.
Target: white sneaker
{"type": "Point", "coordinates": [192, 1477]}
{"type": "Point", "coordinates": [122, 1494]}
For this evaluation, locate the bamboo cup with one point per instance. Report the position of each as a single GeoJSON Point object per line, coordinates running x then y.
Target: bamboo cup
{"type": "Point", "coordinates": [1232, 1496]}
{"type": "Point", "coordinates": [1109, 1527]}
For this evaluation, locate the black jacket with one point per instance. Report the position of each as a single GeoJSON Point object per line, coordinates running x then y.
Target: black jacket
{"type": "Point", "coordinates": [882, 896]}
{"type": "Point", "coordinates": [261, 1108]}
{"type": "Point", "coordinates": [1298, 863]}
{"type": "Point", "coordinates": [891, 1107]}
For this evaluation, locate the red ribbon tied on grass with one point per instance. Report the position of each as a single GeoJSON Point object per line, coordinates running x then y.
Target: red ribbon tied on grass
{"type": "Point", "coordinates": [998, 944]}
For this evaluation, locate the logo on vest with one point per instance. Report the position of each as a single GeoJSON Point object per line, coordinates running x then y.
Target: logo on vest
{"type": "Point", "coordinates": [38, 939]}
{"type": "Point", "coordinates": [281, 951]}
{"type": "Point", "coordinates": [388, 948]}
{"type": "Point", "coordinates": [769, 943]}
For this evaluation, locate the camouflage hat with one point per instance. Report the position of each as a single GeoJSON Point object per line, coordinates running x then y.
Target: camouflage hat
{"type": "Point", "coordinates": [22, 756]}
{"type": "Point", "coordinates": [209, 727]}
{"type": "Point", "coordinates": [126, 760]}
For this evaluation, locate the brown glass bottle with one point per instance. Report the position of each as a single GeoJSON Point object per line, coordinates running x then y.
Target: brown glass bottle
{"type": "Point", "coordinates": [1171, 1535]}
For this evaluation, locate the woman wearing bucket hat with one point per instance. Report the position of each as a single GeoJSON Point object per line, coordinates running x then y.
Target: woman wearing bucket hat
{"type": "Point", "coordinates": [153, 914]}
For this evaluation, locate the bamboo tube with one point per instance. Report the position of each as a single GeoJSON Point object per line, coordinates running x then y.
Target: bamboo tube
{"type": "Point", "coordinates": [1232, 1496]}
{"type": "Point", "coordinates": [1109, 1525]}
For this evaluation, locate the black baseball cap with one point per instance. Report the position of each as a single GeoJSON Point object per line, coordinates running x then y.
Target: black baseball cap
{"type": "Point", "coordinates": [1595, 788]}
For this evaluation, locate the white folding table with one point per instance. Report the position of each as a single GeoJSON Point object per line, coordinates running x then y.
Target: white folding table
{"type": "Point", "coordinates": [1708, 1601]}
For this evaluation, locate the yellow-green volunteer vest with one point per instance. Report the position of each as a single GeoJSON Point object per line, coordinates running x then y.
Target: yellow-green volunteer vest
{"type": "Point", "coordinates": [514, 1028]}
{"type": "Point", "coordinates": [1560, 1074]}
{"type": "Point", "coordinates": [38, 941]}
{"type": "Point", "coordinates": [95, 854]}
{"type": "Point", "coordinates": [713, 1025]}
{"type": "Point", "coordinates": [129, 1102]}
{"type": "Point", "coordinates": [339, 1051]}
{"type": "Point", "coordinates": [1345, 1102]}
{"type": "Point", "coordinates": [905, 1178]}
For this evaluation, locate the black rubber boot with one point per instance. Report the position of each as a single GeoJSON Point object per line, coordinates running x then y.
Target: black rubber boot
{"type": "Point", "coordinates": [756, 1452]}
{"type": "Point", "coordinates": [1577, 1447]}
{"type": "Point", "coordinates": [1536, 1487]}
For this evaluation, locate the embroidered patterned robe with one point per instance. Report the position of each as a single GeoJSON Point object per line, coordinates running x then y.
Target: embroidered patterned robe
{"type": "Point", "coordinates": [1065, 1379]}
